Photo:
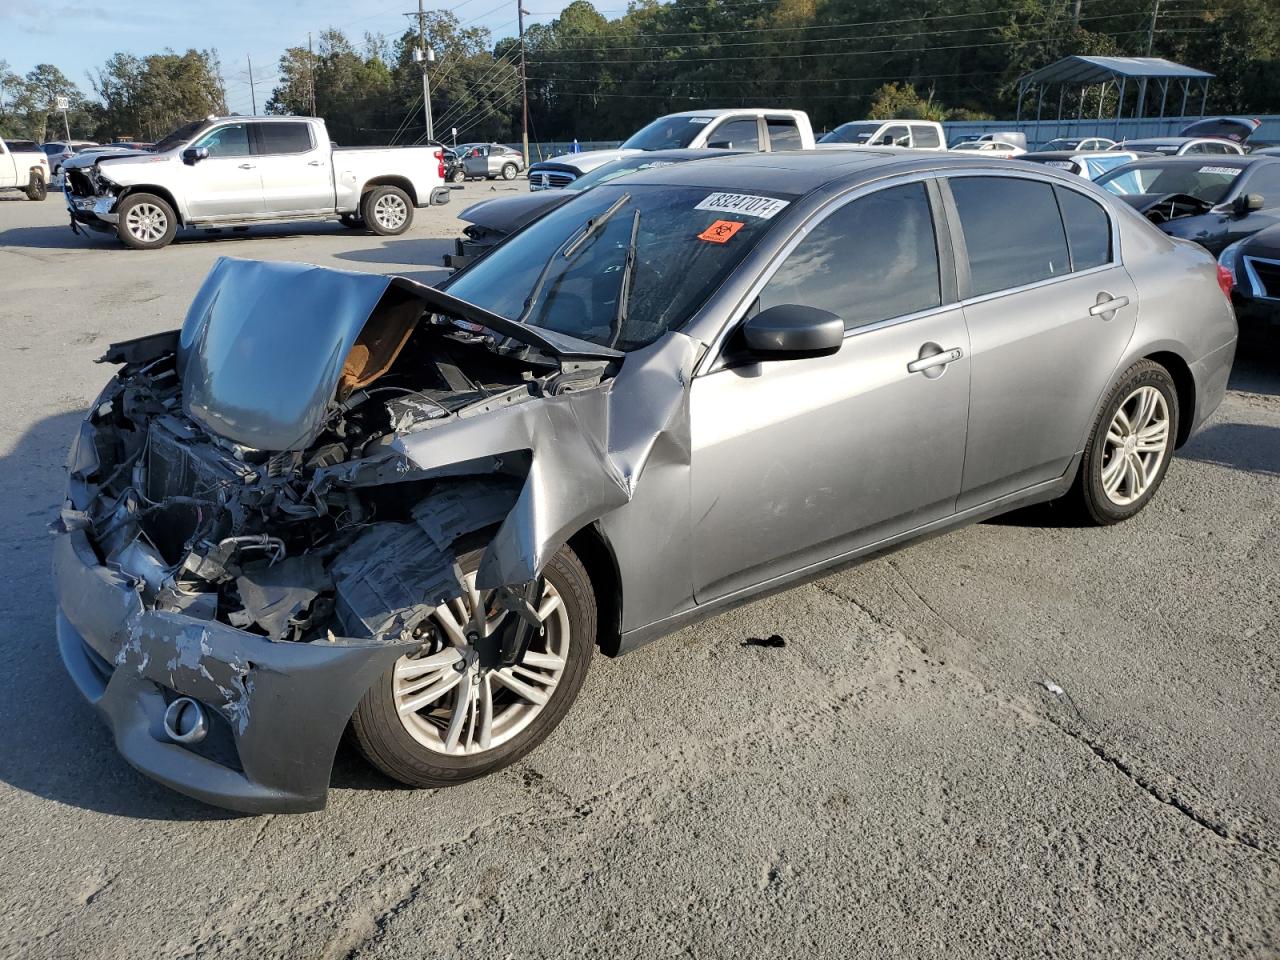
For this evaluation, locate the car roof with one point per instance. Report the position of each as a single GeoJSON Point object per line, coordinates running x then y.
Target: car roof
{"type": "Point", "coordinates": [721, 111]}
{"type": "Point", "coordinates": [801, 172]}
{"type": "Point", "coordinates": [1215, 159]}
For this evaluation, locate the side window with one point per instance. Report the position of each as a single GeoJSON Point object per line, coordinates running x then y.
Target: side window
{"type": "Point", "coordinates": [925, 136]}
{"type": "Point", "coordinates": [783, 134]}
{"type": "Point", "coordinates": [1265, 181]}
{"type": "Point", "coordinates": [1012, 230]}
{"type": "Point", "coordinates": [231, 140]}
{"type": "Point", "coordinates": [740, 134]}
{"type": "Point", "coordinates": [894, 137]}
{"type": "Point", "coordinates": [1088, 229]}
{"type": "Point", "coordinates": [1197, 148]}
{"type": "Point", "coordinates": [284, 137]}
{"type": "Point", "coordinates": [872, 259]}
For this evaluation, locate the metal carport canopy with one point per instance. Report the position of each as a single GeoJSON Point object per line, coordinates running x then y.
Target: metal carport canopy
{"type": "Point", "coordinates": [1089, 70]}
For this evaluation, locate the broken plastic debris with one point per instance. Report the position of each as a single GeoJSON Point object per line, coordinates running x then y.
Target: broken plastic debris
{"type": "Point", "coordinates": [773, 640]}
{"type": "Point", "coordinates": [1053, 688]}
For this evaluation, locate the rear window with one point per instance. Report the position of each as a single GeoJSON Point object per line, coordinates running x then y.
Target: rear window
{"type": "Point", "coordinates": [923, 136]}
{"type": "Point", "coordinates": [1012, 231]}
{"type": "Point", "coordinates": [783, 134]}
{"type": "Point", "coordinates": [283, 138]}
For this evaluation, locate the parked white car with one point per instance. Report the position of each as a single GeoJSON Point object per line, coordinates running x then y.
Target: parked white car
{"type": "Point", "coordinates": [912, 134]}
{"type": "Point", "coordinates": [740, 128]}
{"type": "Point", "coordinates": [24, 166]}
{"type": "Point", "coordinates": [240, 171]}
{"type": "Point", "coordinates": [997, 147]}
{"type": "Point", "coordinates": [1182, 146]}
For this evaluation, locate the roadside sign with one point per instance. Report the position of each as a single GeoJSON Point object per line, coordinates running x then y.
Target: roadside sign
{"type": "Point", "coordinates": [60, 103]}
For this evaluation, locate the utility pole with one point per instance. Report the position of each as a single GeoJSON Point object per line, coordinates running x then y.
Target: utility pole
{"type": "Point", "coordinates": [1075, 14]}
{"type": "Point", "coordinates": [311, 75]}
{"type": "Point", "coordinates": [253, 93]}
{"type": "Point", "coordinates": [524, 88]}
{"type": "Point", "coordinates": [1151, 33]}
{"type": "Point", "coordinates": [425, 55]}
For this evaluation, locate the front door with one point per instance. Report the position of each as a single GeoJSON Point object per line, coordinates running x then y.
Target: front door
{"type": "Point", "coordinates": [1050, 310]}
{"type": "Point", "coordinates": [798, 461]}
{"type": "Point", "coordinates": [296, 173]}
{"type": "Point", "coordinates": [226, 183]}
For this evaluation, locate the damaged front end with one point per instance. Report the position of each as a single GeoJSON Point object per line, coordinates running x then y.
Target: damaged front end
{"type": "Point", "coordinates": [91, 195]}
{"type": "Point", "coordinates": [265, 508]}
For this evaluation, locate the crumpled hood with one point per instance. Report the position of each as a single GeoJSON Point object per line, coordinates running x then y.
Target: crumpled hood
{"type": "Point", "coordinates": [117, 157]}
{"type": "Point", "coordinates": [508, 214]}
{"type": "Point", "coordinates": [586, 162]}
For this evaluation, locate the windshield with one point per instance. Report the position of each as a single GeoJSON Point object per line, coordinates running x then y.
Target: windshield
{"type": "Point", "coordinates": [179, 136]}
{"type": "Point", "coordinates": [619, 168]}
{"type": "Point", "coordinates": [1097, 166]}
{"type": "Point", "coordinates": [1209, 182]}
{"type": "Point", "coordinates": [857, 132]}
{"type": "Point", "coordinates": [667, 133]}
{"type": "Point", "coordinates": [1060, 145]}
{"type": "Point", "coordinates": [687, 241]}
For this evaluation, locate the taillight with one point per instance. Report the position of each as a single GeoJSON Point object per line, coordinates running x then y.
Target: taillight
{"type": "Point", "coordinates": [1225, 280]}
{"type": "Point", "coordinates": [440, 161]}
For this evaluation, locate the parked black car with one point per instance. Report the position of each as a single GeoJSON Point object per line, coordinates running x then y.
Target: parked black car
{"type": "Point", "coordinates": [1254, 264]}
{"type": "Point", "coordinates": [1214, 201]}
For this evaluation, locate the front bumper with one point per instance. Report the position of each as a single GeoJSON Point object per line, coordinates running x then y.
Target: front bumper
{"type": "Point", "coordinates": [278, 710]}
{"type": "Point", "coordinates": [97, 213]}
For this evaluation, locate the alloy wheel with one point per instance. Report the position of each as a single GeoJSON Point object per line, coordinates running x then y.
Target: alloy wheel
{"type": "Point", "coordinates": [457, 699]}
{"type": "Point", "coordinates": [147, 223]}
{"type": "Point", "coordinates": [390, 212]}
{"type": "Point", "coordinates": [1135, 446]}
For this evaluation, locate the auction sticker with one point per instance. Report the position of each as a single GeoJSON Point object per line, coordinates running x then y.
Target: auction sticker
{"type": "Point", "coordinates": [743, 204]}
{"type": "Point", "coordinates": [721, 231]}
{"type": "Point", "coordinates": [1224, 171]}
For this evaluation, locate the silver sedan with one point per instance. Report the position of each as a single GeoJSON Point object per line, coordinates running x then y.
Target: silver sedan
{"type": "Point", "coordinates": [674, 393]}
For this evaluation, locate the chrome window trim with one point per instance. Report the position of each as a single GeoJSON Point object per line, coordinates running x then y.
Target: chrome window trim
{"type": "Point", "coordinates": [1257, 287]}
{"type": "Point", "coordinates": [711, 360]}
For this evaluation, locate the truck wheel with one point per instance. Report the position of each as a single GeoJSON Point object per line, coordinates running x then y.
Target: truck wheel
{"type": "Point", "coordinates": [452, 712]}
{"type": "Point", "coordinates": [387, 211]}
{"type": "Point", "coordinates": [509, 171]}
{"type": "Point", "coordinates": [351, 221]}
{"type": "Point", "coordinates": [37, 189]}
{"type": "Point", "coordinates": [147, 222]}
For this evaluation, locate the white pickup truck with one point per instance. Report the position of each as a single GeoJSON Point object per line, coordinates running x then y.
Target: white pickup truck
{"type": "Point", "coordinates": [732, 128]}
{"type": "Point", "coordinates": [240, 171]}
{"type": "Point", "coordinates": [24, 168]}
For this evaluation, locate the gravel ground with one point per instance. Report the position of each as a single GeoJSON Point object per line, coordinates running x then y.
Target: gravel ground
{"type": "Point", "coordinates": [1016, 740]}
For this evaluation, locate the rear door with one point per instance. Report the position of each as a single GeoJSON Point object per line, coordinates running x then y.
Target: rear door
{"type": "Point", "coordinates": [736, 133]}
{"type": "Point", "coordinates": [226, 183]}
{"type": "Point", "coordinates": [296, 171]}
{"type": "Point", "coordinates": [784, 133]}
{"type": "Point", "coordinates": [1050, 310]}
{"type": "Point", "coordinates": [798, 461]}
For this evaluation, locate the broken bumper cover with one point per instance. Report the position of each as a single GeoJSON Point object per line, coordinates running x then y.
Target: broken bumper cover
{"type": "Point", "coordinates": [440, 195]}
{"type": "Point", "coordinates": [96, 212]}
{"type": "Point", "coordinates": [277, 710]}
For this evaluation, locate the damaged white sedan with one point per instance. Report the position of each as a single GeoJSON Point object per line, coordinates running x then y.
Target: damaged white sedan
{"type": "Point", "coordinates": [336, 500]}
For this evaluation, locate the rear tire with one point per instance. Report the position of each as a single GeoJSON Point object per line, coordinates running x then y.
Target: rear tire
{"type": "Point", "coordinates": [413, 750]}
{"type": "Point", "coordinates": [147, 222]}
{"type": "Point", "coordinates": [1128, 452]}
{"type": "Point", "coordinates": [37, 189]}
{"type": "Point", "coordinates": [458, 176]}
{"type": "Point", "coordinates": [387, 211]}
{"type": "Point", "coordinates": [509, 171]}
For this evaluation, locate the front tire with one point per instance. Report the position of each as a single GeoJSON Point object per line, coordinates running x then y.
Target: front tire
{"type": "Point", "coordinates": [147, 222]}
{"type": "Point", "coordinates": [1128, 452]}
{"type": "Point", "coordinates": [37, 189]}
{"type": "Point", "coordinates": [387, 211]}
{"type": "Point", "coordinates": [449, 713]}
{"type": "Point", "coordinates": [458, 176]}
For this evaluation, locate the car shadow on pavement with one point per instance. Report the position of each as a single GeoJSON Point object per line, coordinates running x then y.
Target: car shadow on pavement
{"type": "Point", "coordinates": [55, 744]}
{"type": "Point", "coordinates": [429, 253]}
{"type": "Point", "coordinates": [1251, 447]}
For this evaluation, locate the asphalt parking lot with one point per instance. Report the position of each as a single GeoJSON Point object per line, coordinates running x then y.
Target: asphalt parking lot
{"type": "Point", "coordinates": [1020, 739]}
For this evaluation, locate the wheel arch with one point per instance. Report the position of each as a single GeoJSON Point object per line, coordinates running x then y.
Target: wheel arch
{"type": "Point", "coordinates": [597, 555]}
{"type": "Point", "coordinates": [390, 180]}
{"type": "Point", "coordinates": [162, 192]}
{"type": "Point", "coordinates": [1185, 385]}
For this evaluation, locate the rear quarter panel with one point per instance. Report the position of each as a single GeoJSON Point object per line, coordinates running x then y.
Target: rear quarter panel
{"type": "Point", "coordinates": [353, 168]}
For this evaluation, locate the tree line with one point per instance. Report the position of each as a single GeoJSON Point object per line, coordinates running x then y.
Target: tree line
{"type": "Point", "coordinates": [595, 77]}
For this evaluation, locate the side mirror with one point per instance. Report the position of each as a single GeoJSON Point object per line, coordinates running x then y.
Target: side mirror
{"type": "Point", "coordinates": [790, 331]}
{"type": "Point", "coordinates": [194, 155]}
{"type": "Point", "coordinates": [1247, 202]}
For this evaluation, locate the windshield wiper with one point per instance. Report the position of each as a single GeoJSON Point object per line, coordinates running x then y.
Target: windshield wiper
{"type": "Point", "coordinates": [570, 246]}
{"type": "Point", "coordinates": [624, 287]}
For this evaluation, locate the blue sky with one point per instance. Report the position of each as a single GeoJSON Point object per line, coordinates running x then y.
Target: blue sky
{"type": "Point", "coordinates": [79, 36]}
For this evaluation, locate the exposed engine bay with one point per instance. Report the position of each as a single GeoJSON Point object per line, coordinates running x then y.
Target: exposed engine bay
{"type": "Point", "coordinates": [339, 534]}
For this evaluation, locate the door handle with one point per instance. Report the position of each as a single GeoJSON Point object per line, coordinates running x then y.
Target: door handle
{"type": "Point", "coordinates": [314, 163]}
{"type": "Point", "coordinates": [935, 360]}
{"type": "Point", "coordinates": [1103, 307]}
{"type": "Point", "coordinates": [246, 166]}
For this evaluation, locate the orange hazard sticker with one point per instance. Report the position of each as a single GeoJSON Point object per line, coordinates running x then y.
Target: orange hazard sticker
{"type": "Point", "coordinates": [721, 231]}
